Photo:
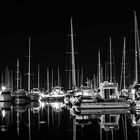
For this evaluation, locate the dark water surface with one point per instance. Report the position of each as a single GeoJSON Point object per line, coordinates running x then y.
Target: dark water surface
{"type": "Point", "coordinates": [53, 121]}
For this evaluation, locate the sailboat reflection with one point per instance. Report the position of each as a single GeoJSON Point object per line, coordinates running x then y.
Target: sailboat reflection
{"type": "Point", "coordinates": [25, 117]}
{"type": "Point", "coordinates": [79, 122]}
{"type": "Point", "coordinates": [108, 121]}
{"type": "Point", "coordinates": [83, 120]}
{"type": "Point", "coordinates": [5, 108]}
{"type": "Point", "coordinates": [57, 106]}
{"type": "Point", "coordinates": [35, 107]}
{"type": "Point", "coordinates": [19, 111]}
{"type": "Point", "coordinates": [51, 112]}
{"type": "Point", "coordinates": [134, 118]}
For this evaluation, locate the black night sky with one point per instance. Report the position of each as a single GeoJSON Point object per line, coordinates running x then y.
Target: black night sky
{"type": "Point", "coordinates": [49, 27]}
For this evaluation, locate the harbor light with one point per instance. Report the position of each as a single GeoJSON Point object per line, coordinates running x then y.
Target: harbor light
{"type": "Point", "coordinates": [133, 94]}
{"type": "Point", "coordinates": [3, 88]}
{"type": "Point", "coordinates": [3, 113]}
{"type": "Point", "coordinates": [133, 91]}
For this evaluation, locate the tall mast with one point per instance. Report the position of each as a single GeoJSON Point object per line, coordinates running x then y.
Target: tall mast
{"type": "Point", "coordinates": [38, 77]}
{"type": "Point", "coordinates": [105, 72]}
{"type": "Point", "coordinates": [17, 74]}
{"type": "Point", "coordinates": [29, 70]}
{"type": "Point", "coordinates": [136, 52]}
{"type": "Point", "coordinates": [81, 76]}
{"type": "Point", "coordinates": [58, 77]}
{"type": "Point", "coordinates": [73, 59]}
{"type": "Point", "coordinates": [94, 82]}
{"type": "Point", "coordinates": [110, 61]}
{"type": "Point", "coordinates": [20, 76]}
{"type": "Point", "coordinates": [48, 79]}
{"type": "Point", "coordinates": [2, 78]}
{"type": "Point", "coordinates": [124, 63]}
{"type": "Point", "coordinates": [11, 80]}
{"type": "Point", "coordinates": [69, 86]}
{"type": "Point", "coordinates": [99, 68]}
{"type": "Point", "coordinates": [52, 78]}
{"type": "Point", "coordinates": [77, 78]}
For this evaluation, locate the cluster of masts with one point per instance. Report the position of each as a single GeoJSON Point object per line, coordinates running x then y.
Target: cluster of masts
{"type": "Point", "coordinates": [74, 82]}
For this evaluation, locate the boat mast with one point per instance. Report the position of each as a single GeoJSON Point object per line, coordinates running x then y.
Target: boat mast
{"type": "Point", "coordinates": [136, 53]}
{"type": "Point", "coordinates": [2, 78]}
{"type": "Point", "coordinates": [20, 81]}
{"type": "Point", "coordinates": [58, 77]}
{"type": "Point", "coordinates": [110, 61]}
{"type": "Point", "coordinates": [48, 79]}
{"type": "Point", "coordinates": [17, 74]}
{"type": "Point", "coordinates": [99, 68]}
{"type": "Point", "coordinates": [52, 78]}
{"type": "Point", "coordinates": [124, 63]}
{"type": "Point", "coordinates": [38, 77]}
{"type": "Point", "coordinates": [29, 70]}
{"type": "Point", "coordinates": [94, 82]}
{"type": "Point", "coordinates": [105, 77]}
{"type": "Point", "coordinates": [73, 59]}
{"type": "Point", "coordinates": [11, 80]}
{"type": "Point", "coordinates": [69, 86]}
{"type": "Point", "coordinates": [81, 76]}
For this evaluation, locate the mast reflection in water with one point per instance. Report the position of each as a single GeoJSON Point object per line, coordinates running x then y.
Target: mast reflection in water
{"type": "Point", "coordinates": [52, 120]}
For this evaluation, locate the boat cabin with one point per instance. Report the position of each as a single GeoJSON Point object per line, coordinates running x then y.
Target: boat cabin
{"type": "Point", "coordinates": [109, 121]}
{"type": "Point", "coordinates": [108, 90]}
{"type": "Point", "coordinates": [135, 120]}
{"type": "Point", "coordinates": [135, 91]}
{"type": "Point", "coordinates": [84, 91]}
{"type": "Point", "coordinates": [57, 91]}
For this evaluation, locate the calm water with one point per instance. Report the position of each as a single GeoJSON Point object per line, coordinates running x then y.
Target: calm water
{"type": "Point", "coordinates": [53, 121]}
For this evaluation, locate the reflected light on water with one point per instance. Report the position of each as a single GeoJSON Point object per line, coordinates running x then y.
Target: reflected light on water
{"type": "Point", "coordinates": [3, 113]}
{"type": "Point", "coordinates": [57, 105]}
{"type": "Point", "coordinates": [42, 104]}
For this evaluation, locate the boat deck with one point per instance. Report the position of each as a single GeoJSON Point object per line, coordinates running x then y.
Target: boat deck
{"type": "Point", "coordinates": [94, 105]}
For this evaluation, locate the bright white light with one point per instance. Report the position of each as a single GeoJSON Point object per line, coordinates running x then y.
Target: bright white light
{"type": "Point", "coordinates": [3, 113]}
{"type": "Point", "coordinates": [42, 104]}
{"type": "Point", "coordinates": [133, 91]}
{"type": "Point", "coordinates": [3, 88]}
{"type": "Point", "coordinates": [57, 106]}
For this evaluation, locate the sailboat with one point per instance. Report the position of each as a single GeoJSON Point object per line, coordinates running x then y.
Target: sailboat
{"type": "Point", "coordinates": [109, 89]}
{"type": "Point", "coordinates": [5, 95]}
{"type": "Point", "coordinates": [73, 71]}
{"type": "Point", "coordinates": [84, 91]}
{"type": "Point", "coordinates": [72, 92]}
{"type": "Point", "coordinates": [57, 91]}
{"type": "Point", "coordinates": [5, 89]}
{"type": "Point", "coordinates": [124, 90]}
{"type": "Point", "coordinates": [5, 114]}
{"type": "Point", "coordinates": [20, 96]}
{"type": "Point", "coordinates": [56, 94]}
{"type": "Point", "coordinates": [135, 88]}
{"type": "Point", "coordinates": [35, 93]}
{"type": "Point", "coordinates": [107, 96]}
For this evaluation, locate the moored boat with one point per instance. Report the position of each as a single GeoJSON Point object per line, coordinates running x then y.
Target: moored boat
{"type": "Point", "coordinates": [5, 95]}
{"type": "Point", "coordinates": [35, 94]}
{"type": "Point", "coordinates": [20, 97]}
{"type": "Point", "coordinates": [106, 98]}
{"type": "Point", "coordinates": [56, 94]}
